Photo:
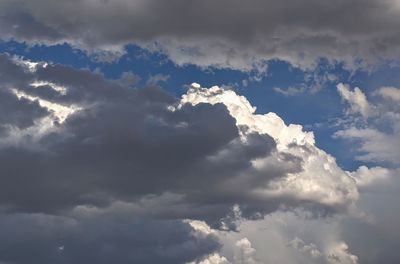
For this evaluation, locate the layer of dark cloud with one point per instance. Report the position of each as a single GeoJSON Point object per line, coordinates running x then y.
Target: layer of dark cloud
{"type": "Point", "coordinates": [224, 33]}
{"type": "Point", "coordinates": [105, 237]}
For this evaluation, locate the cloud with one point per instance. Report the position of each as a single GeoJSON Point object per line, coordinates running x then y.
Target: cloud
{"type": "Point", "coordinates": [157, 78]}
{"type": "Point", "coordinates": [290, 91]}
{"type": "Point", "coordinates": [340, 254]}
{"type": "Point", "coordinates": [310, 249]}
{"type": "Point", "coordinates": [214, 259]}
{"type": "Point", "coordinates": [229, 34]}
{"type": "Point", "coordinates": [290, 237]}
{"type": "Point", "coordinates": [375, 146]}
{"type": "Point", "coordinates": [365, 176]}
{"type": "Point", "coordinates": [292, 142]}
{"type": "Point", "coordinates": [378, 135]}
{"type": "Point", "coordinates": [377, 142]}
{"type": "Point", "coordinates": [390, 93]}
{"type": "Point", "coordinates": [245, 253]}
{"type": "Point", "coordinates": [99, 237]}
{"type": "Point", "coordinates": [356, 99]}
{"type": "Point", "coordinates": [376, 240]}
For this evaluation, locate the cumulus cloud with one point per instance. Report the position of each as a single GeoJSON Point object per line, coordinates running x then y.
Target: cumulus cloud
{"type": "Point", "coordinates": [231, 34]}
{"type": "Point", "coordinates": [292, 142]}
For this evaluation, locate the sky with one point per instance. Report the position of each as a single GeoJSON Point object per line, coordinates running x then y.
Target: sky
{"type": "Point", "coordinates": [199, 132]}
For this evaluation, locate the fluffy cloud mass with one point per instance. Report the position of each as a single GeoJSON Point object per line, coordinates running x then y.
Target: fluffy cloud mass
{"type": "Point", "coordinates": [234, 34]}
{"type": "Point", "coordinates": [81, 152]}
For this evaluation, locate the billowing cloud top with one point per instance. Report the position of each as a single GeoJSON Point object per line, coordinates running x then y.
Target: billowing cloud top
{"type": "Point", "coordinates": [234, 34]}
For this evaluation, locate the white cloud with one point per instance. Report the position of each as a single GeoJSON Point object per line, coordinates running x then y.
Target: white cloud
{"type": "Point", "coordinates": [59, 112]}
{"type": "Point", "coordinates": [375, 146]}
{"type": "Point", "coordinates": [391, 93]}
{"type": "Point", "coordinates": [244, 252]}
{"type": "Point", "coordinates": [321, 179]}
{"type": "Point", "coordinates": [365, 176]}
{"type": "Point", "coordinates": [213, 259]}
{"type": "Point", "coordinates": [309, 249]}
{"type": "Point", "coordinates": [339, 253]}
{"type": "Point", "coordinates": [378, 137]}
{"type": "Point", "coordinates": [356, 99]}
{"type": "Point", "coordinates": [244, 113]}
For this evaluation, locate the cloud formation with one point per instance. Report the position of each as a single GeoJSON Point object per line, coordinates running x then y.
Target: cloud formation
{"type": "Point", "coordinates": [232, 34]}
{"type": "Point", "coordinates": [94, 152]}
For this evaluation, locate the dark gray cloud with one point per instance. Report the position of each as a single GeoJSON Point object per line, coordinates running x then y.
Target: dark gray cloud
{"type": "Point", "coordinates": [125, 144]}
{"type": "Point", "coordinates": [225, 33]}
{"type": "Point", "coordinates": [103, 237]}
